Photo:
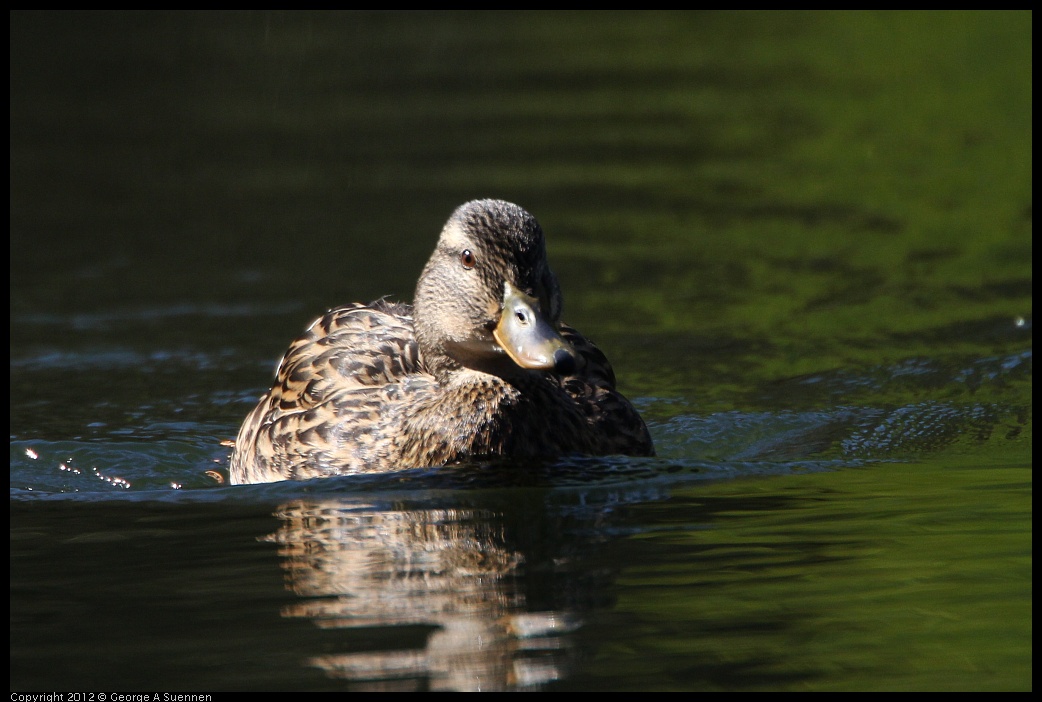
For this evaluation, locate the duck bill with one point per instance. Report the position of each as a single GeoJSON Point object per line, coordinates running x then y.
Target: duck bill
{"type": "Point", "coordinates": [526, 335]}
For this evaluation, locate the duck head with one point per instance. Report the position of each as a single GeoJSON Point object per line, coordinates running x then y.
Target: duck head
{"type": "Point", "coordinates": [487, 299]}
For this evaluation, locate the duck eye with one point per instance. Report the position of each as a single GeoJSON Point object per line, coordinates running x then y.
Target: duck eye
{"type": "Point", "coordinates": [467, 259]}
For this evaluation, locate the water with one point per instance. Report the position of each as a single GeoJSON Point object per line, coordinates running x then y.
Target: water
{"type": "Point", "coordinates": [804, 241]}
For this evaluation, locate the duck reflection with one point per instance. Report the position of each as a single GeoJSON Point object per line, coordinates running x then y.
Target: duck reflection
{"type": "Point", "coordinates": [423, 598]}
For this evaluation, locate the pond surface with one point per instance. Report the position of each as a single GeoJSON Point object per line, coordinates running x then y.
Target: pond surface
{"type": "Point", "coordinates": [804, 240]}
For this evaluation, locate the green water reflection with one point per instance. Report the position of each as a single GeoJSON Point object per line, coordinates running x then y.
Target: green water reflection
{"type": "Point", "coordinates": [911, 576]}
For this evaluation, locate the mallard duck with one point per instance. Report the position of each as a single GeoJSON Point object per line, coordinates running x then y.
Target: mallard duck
{"type": "Point", "coordinates": [479, 366]}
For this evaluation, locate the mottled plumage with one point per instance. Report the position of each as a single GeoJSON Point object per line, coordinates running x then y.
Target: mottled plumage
{"type": "Point", "coordinates": [481, 366]}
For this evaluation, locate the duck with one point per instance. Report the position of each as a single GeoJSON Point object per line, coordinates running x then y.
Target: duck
{"type": "Point", "coordinates": [479, 366]}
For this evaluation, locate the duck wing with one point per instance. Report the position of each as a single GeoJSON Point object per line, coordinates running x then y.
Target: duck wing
{"type": "Point", "coordinates": [322, 415]}
{"type": "Point", "coordinates": [354, 347]}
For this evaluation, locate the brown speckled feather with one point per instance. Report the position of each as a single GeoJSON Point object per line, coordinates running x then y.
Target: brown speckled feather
{"type": "Point", "coordinates": [352, 396]}
{"type": "Point", "coordinates": [355, 394]}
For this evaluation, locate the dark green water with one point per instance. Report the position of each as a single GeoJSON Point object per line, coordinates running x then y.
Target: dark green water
{"type": "Point", "coordinates": [804, 240]}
